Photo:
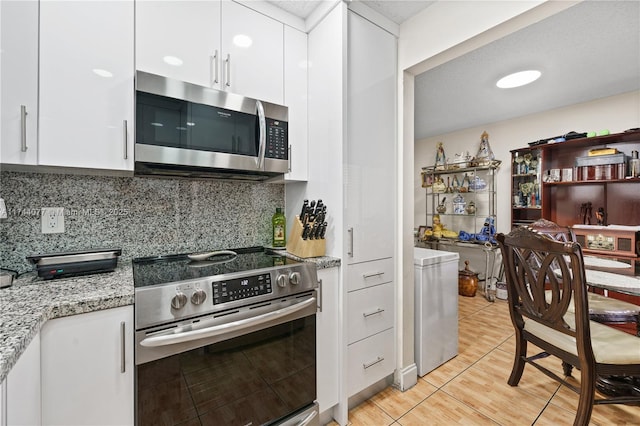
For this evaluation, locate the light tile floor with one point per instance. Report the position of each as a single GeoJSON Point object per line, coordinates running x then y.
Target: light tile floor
{"type": "Point", "coordinates": [472, 389]}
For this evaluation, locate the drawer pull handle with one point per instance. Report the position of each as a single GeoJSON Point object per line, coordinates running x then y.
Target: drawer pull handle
{"type": "Point", "coordinates": [378, 311]}
{"type": "Point", "coordinates": [371, 364]}
{"type": "Point", "coordinates": [373, 274]}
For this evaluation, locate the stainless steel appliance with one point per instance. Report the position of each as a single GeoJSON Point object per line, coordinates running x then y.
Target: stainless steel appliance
{"type": "Point", "coordinates": [64, 264]}
{"type": "Point", "coordinates": [188, 130]}
{"type": "Point", "coordinates": [228, 340]}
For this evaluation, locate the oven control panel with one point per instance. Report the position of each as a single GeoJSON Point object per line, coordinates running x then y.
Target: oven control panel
{"type": "Point", "coordinates": [241, 288]}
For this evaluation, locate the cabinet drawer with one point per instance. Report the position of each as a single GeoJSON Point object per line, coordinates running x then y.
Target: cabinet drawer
{"type": "Point", "coordinates": [369, 361]}
{"type": "Point", "coordinates": [369, 311]}
{"type": "Point", "coordinates": [368, 274]}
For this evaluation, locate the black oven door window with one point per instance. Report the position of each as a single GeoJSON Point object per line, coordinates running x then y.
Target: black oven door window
{"type": "Point", "coordinates": [256, 379]}
{"type": "Point", "coordinates": [164, 121]}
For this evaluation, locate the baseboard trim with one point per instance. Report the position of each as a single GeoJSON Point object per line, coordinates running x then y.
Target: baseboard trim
{"type": "Point", "coordinates": [407, 377]}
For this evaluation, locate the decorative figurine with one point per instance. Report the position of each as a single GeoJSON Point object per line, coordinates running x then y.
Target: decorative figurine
{"type": "Point", "coordinates": [439, 186]}
{"type": "Point", "coordinates": [485, 155]}
{"type": "Point", "coordinates": [442, 207]}
{"type": "Point", "coordinates": [441, 160]}
{"type": "Point", "coordinates": [601, 217]}
{"type": "Point", "coordinates": [471, 208]}
{"type": "Point", "coordinates": [459, 204]}
{"type": "Point", "coordinates": [488, 231]}
{"type": "Point", "coordinates": [585, 213]}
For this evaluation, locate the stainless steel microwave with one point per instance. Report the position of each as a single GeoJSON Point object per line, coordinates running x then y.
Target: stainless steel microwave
{"type": "Point", "coordinates": [187, 130]}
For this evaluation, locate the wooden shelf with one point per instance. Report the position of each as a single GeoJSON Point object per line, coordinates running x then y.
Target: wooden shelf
{"type": "Point", "coordinates": [565, 202]}
{"type": "Point", "coordinates": [593, 182]}
{"type": "Point", "coordinates": [594, 141]}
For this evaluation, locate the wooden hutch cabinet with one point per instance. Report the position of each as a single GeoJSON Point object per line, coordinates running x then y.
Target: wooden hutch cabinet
{"type": "Point", "coordinates": [576, 184]}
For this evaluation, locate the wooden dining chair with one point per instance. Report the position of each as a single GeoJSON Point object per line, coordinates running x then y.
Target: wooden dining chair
{"type": "Point", "coordinates": [602, 309]}
{"type": "Point", "coordinates": [544, 277]}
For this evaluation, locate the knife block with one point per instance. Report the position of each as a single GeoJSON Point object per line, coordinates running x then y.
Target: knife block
{"type": "Point", "coordinates": [304, 248]}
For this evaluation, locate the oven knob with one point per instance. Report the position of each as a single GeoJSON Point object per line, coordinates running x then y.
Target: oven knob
{"type": "Point", "coordinates": [294, 278]}
{"type": "Point", "coordinates": [198, 296]}
{"type": "Point", "coordinates": [282, 280]}
{"type": "Point", "coordinates": [179, 300]}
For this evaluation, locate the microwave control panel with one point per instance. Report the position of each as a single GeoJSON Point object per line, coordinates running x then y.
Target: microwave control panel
{"type": "Point", "coordinates": [277, 146]}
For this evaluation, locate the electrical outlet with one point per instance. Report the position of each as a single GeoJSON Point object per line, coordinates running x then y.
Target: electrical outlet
{"type": "Point", "coordinates": [52, 220]}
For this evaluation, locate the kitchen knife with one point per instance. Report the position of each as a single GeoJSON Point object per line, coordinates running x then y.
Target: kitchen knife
{"type": "Point", "coordinates": [304, 209]}
{"type": "Point", "coordinates": [305, 232]}
{"type": "Point", "coordinates": [323, 230]}
{"type": "Point", "coordinates": [317, 230]}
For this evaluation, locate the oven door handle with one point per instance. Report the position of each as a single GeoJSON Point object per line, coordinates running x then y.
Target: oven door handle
{"type": "Point", "coordinates": [217, 330]}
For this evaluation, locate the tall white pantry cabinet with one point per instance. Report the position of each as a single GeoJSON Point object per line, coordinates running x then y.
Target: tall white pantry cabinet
{"type": "Point", "coordinates": [352, 146]}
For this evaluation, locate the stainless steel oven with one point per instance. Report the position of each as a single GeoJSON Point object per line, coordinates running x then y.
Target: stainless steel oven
{"type": "Point", "coordinates": [230, 340]}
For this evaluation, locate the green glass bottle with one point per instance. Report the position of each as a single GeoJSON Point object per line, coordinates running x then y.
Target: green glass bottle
{"type": "Point", "coordinates": [279, 223]}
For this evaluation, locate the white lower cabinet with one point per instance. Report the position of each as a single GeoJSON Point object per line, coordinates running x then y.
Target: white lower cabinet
{"type": "Point", "coordinates": [22, 398]}
{"type": "Point", "coordinates": [370, 317]}
{"type": "Point", "coordinates": [369, 311]}
{"type": "Point", "coordinates": [327, 340]}
{"type": "Point", "coordinates": [370, 360]}
{"type": "Point", "coordinates": [87, 369]}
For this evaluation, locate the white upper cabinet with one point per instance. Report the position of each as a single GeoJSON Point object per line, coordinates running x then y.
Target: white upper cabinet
{"type": "Point", "coordinates": [218, 44]}
{"type": "Point", "coordinates": [180, 40]}
{"type": "Point", "coordinates": [295, 97]}
{"type": "Point", "coordinates": [370, 156]}
{"type": "Point", "coordinates": [19, 60]}
{"type": "Point", "coordinates": [252, 53]}
{"type": "Point", "coordinates": [86, 84]}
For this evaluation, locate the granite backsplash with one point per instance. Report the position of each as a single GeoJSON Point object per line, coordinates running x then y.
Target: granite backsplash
{"type": "Point", "coordinates": [142, 216]}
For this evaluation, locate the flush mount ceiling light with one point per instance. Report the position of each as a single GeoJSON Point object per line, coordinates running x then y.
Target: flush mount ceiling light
{"type": "Point", "coordinates": [242, 40]}
{"type": "Point", "coordinates": [172, 60]}
{"type": "Point", "coordinates": [102, 73]}
{"type": "Point", "coordinates": [518, 79]}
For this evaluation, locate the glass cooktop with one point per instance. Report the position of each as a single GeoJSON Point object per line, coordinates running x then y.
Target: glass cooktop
{"type": "Point", "coordinates": [148, 271]}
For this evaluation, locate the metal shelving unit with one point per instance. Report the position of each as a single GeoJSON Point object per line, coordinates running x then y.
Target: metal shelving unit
{"type": "Point", "coordinates": [471, 190]}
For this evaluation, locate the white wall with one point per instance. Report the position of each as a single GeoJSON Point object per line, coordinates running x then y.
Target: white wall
{"type": "Point", "coordinates": [441, 32]}
{"type": "Point", "coordinates": [615, 113]}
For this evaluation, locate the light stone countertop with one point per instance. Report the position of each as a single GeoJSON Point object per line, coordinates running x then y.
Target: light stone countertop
{"type": "Point", "coordinates": [31, 301]}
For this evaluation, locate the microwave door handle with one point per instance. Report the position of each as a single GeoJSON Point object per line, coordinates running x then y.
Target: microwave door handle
{"type": "Point", "coordinates": [217, 330]}
{"type": "Point", "coordinates": [262, 124]}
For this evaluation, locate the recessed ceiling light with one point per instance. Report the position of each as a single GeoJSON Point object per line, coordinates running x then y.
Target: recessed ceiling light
{"type": "Point", "coordinates": [172, 60]}
{"type": "Point", "coordinates": [518, 79]}
{"type": "Point", "coordinates": [102, 73]}
{"type": "Point", "coordinates": [157, 124]}
{"type": "Point", "coordinates": [242, 40]}
{"type": "Point", "coordinates": [190, 123]}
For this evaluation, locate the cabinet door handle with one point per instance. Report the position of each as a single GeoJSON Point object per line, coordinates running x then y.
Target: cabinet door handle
{"type": "Point", "coordinates": [213, 68]}
{"type": "Point", "coordinates": [23, 128]}
{"type": "Point", "coordinates": [228, 70]}
{"type": "Point", "coordinates": [372, 363]}
{"type": "Point", "coordinates": [125, 139]}
{"type": "Point", "coordinates": [350, 248]}
{"type": "Point", "coordinates": [373, 274]}
{"type": "Point", "coordinates": [123, 366]}
{"type": "Point", "coordinates": [377, 311]}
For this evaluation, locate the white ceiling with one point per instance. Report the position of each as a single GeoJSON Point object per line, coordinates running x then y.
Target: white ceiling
{"type": "Point", "coordinates": [396, 10]}
{"type": "Point", "coordinates": [588, 51]}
